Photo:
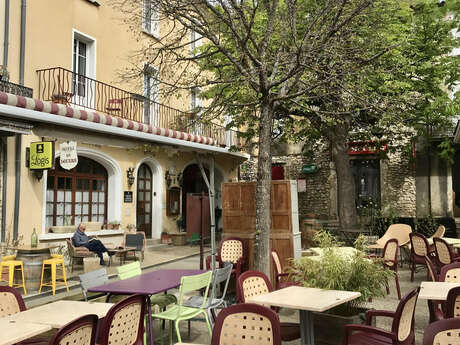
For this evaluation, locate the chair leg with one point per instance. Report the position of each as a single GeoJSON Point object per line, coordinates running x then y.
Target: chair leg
{"type": "Point", "coordinates": [53, 278]}
{"type": "Point", "coordinates": [412, 272]}
{"type": "Point", "coordinates": [41, 279]}
{"type": "Point", "coordinates": [189, 322]}
{"type": "Point", "coordinates": [397, 285]}
{"type": "Point", "coordinates": [64, 276]}
{"type": "Point", "coordinates": [171, 333]}
{"type": "Point", "coordinates": [207, 322]}
{"type": "Point", "coordinates": [10, 276]}
{"type": "Point", "coordinates": [23, 280]}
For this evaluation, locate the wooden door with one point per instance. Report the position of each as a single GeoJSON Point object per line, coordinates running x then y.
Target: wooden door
{"type": "Point", "coordinates": [144, 200]}
{"type": "Point", "coordinates": [198, 217]}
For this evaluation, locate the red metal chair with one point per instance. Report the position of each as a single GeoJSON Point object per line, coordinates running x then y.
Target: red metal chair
{"type": "Point", "coordinates": [280, 276]}
{"type": "Point", "coordinates": [11, 301]}
{"type": "Point", "coordinates": [452, 305]}
{"type": "Point", "coordinates": [444, 254]}
{"type": "Point", "coordinates": [434, 307]}
{"type": "Point", "coordinates": [444, 332]}
{"type": "Point", "coordinates": [450, 273]}
{"type": "Point", "coordinates": [247, 324]}
{"type": "Point", "coordinates": [402, 329]}
{"type": "Point", "coordinates": [81, 331]}
{"type": "Point", "coordinates": [254, 283]}
{"type": "Point", "coordinates": [230, 250]}
{"type": "Point", "coordinates": [419, 249]}
{"type": "Point", "coordinates": [125, 320]}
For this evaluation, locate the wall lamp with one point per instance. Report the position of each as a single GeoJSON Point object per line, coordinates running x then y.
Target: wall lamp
{"type": "Point", "coordinates": [172, 177]}
{"type": "Point", "coordinates": [130, 176]}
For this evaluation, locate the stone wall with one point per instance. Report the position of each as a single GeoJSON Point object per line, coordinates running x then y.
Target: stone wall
{"type": "Point", "coordinates": [397, 185]}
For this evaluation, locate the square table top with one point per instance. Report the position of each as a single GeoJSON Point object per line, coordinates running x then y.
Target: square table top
{"type": "Point", "coordinates": [13, 332]}
{"type": "Point", "coordinates": [435, 290]}
{"type": "Point", "coordinates": [302, 298]}
{"type": "Point", "coordinates": [148, 283]}
{"type": "Point", "coordinates": [58, 314]}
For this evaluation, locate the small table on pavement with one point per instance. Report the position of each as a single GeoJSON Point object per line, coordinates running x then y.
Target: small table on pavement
{"type": "Point", "coordinates": [146, 284]}
{"type": "Point", "coordinates": [121, 252]}
{"type": "Point", "coordinates": [60, 313]}
{"type": "Point", "coordinates": [307, 301]}
{"type": "Point", "coordinates": [14, 332]}
{"type": "Point", "coordinates": [435, 290]}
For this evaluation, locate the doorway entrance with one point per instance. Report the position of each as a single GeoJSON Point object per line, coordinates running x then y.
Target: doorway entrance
{"type": "Point", "coordinates": [144, 200]}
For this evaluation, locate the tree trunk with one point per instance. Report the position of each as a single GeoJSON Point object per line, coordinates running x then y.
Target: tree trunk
{"type": "Point", "coordinates": [345, 181]}
{"type": "Point", "coordinates": [264, 176]}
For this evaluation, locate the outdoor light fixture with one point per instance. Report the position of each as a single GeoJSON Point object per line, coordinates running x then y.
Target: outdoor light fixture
{"type": "Point", "coordinates": [130, 176]}
{"type": "Point", "coordinates": [172, 177]}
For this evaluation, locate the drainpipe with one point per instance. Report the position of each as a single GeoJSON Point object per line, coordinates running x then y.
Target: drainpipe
{"type": "Point", "coordinates": [4, 180]}
{"type": "Point", "coordinates": [23, 42]}
{"type": "Point", "coordinates": [6, 33]}
{"type": "Point", "coordinates": [17, 187]}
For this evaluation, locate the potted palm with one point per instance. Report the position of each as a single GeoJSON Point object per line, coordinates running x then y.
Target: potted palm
{"type": "Point", "coordinates": [335, 271]}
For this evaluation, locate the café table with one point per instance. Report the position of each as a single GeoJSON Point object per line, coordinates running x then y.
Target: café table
{"type": "Point", "coordinates": [146, 284]}
{"type": "Point", "coordinates": [58, 314]}
{"type": "Point", "coordinates": [435, 290]}
{"type": "Point", "coordinates": [307, 301]}
{"type": "Point", "coordinates": [452, 241]}
{"type": "Point", "coordinates": [14, 332]}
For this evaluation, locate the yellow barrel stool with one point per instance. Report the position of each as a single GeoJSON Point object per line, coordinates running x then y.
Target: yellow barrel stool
{"type": "Point", "coordinates": [52, 264]}
{"type": "Point", "coordinates": [13, 265]}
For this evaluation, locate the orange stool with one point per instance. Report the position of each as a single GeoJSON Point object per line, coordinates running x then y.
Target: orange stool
{"type": "Point", "coordinates": [13, 265]}
{"type": "Point", "coordinates": [53, 265]}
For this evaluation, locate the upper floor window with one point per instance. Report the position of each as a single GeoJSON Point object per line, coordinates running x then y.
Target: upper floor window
{"type": "Point", "coordinates": [150, 18]}
{"type": "Point", "coordinates": [151, 95]}
{"type": "Point", "coordinates": [195, 99]}
{"type": "Point", "coordinates": [195, 41]}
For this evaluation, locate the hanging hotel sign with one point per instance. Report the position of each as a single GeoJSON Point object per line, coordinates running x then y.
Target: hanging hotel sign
{"type": "Point", "coordinates": [41, 155]}
{"type": "Point", "coordinates": [366, 147]}
{"type": "Point", "coordinates": [69, 158]}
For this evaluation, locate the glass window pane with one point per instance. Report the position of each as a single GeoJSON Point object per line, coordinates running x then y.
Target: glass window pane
{"type": "Point", "coordinates": [68, 196]}
{"type": "Point", "coordinates": [85, 196]}
{"type": "Point", "coordinates": [85, 208]}
{"type": "Point", "coordinates": [148, 184]}
{"type": "Point", "coordinates": [100, 185]}
{"type": "Point", "coordinates": [100, 218]}
{"type": "Point", "coordinates": [68, 183]}
{"type": "Point", "coordinates": [50, 182]}
{"type": "Point", "coordinates": [77, 208]}
{"type": "Point", "coordinates": [140, 196]}
{"type": "Point", "coordinates": [61, 182]}
{"type": "Point", "coordinates": [101, 197]}
{"type": "Point", "coordinates": [68, 209]}
{"type": "Point", "coordinates": [141, 172]}
{"type": "Point", "coordinates": [101, 209]}
{"type": "Point", "coordinates": [60, 196]}
{"type": "Point", "coordinates": [95, 196]}
{"type": "Point", "coordinates": [147, 219]}
{"type": "Point", "coordinates": [77, 196]}
{"type": "Point", "coordinates": [77, 220]}
{"type": "Point", "coordinates": [140, 184]}
{"type": "Point", "coordinates": [85, 219]}
{"type": "Point", "coordinates": [60, 208]}
{"type": "Point", "coordinates": [49, 195]}
{"type": "Point", "coordinates": [147, 207]}
{"type": "Point", "coordinates": [59, 220]}
{"type": "Point", "coordinates": [49, 208]}
{"type": "Point", "coordinates": [147, 196]}
{"type": "Point", "coordinates": [49, 221]}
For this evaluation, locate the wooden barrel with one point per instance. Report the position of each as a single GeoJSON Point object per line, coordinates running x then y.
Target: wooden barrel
{"type": "Point", "coordinates": [32, 261]}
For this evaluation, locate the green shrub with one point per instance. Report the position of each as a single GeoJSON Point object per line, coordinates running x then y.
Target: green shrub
{"type": "Point", "coordinates": [337, 272]}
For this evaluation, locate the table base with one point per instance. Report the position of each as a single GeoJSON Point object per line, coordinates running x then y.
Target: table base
{"type": "Point", "coordinates": [307, 333]}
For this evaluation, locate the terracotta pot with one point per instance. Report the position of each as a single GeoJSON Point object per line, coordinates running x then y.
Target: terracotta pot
{"type": "Point", "coordinates": [109, 226]}
{"type": "Point", "coordinates": [116, 226]}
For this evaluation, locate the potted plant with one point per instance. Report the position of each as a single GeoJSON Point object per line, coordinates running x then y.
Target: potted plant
{"type": "Point", "coordinates": [335, 271]}
{"type": "Point", "coordinates": [115, 224]}
{"type": "Point", "coordinates": [165, 237]}
{"type": "Point", "coordinates": [130, 228]}
{"type": "Point", "coordinates": [4, 74]}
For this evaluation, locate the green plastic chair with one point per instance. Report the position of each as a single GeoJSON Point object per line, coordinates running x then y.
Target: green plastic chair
{"type": "Point", "coordinates": [179, 312]}
{"type": "Point", "coordinates": [129, 270]}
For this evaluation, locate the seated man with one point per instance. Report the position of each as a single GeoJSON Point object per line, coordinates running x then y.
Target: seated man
{"type": "Point", "coordinates": [80, 239]}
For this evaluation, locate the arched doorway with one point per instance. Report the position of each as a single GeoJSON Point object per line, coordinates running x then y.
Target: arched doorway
{"type": "Point", "coordinates": [76, 195]}
{"type": "Point", "coordinates": [144, 200]}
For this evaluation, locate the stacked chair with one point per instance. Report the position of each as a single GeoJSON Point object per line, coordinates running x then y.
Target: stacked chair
{"type": "Point", "coordinates": [419, 249]}
{"type": "Point", "coordinates": [230, 250]}
{"type": "Point", "coordinates": [9, 262]}
{"type": "Point", "coordinates": [443, 332]}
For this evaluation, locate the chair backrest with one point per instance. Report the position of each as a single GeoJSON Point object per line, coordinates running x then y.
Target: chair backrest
{"type": "Point", "coordinates": [390, 253]}
{"type": "Point", "coordinates": [399, 231]}
{"type": "Point", "coordinates": [276, 262]}
{"type": "Point", "coordinates": [91, 279]}
{"type": "Point", "coordinates": [247, 324]}
{"type": "Point", "coordinates": [231, 249]}
{"type": "Point", "coordinates": [252, 283]}
{"type": "Point", "coordinates": [442, 332]}
{"type": "Point", "coordinates": [81, 331]}
{"type": "Point", "coordinates": [221, 275]}
{"type": "Point", "coordinates": [431, 269]}
{"type": "Point", "coordinates": [444, 254]}
{"type": "Point", "coordinates": [450, 273]}
{"type": "Point", "coordinates": [136, 240]}
{"type": "Point", "coordinates": [452, 306]}
{"type": "Point", "coordinates": [419, 245]}
{"type": "Point", "coordinates": [130, 270]}
{"type": "Point", "coordinates": [70, 246]}
{"type": "Point", "coordinates": [440, 231]}
{"type": "Point", "coordinates": [11, 301]}
{"type": "Point", "coordinates": [403, 321]}
{"type": "Point", "coordinates": [194, 283]}
{"type": "Point", "coordinates": [124, 322]}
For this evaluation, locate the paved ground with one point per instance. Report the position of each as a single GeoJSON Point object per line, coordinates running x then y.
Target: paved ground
{"type": "Point", "coordinates": [187, 257]}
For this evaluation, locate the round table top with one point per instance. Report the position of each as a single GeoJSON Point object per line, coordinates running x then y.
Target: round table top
{"type": "Point", "coordinates": [29, 249]}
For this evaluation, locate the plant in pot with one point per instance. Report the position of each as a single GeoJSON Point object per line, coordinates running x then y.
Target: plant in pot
{"type": "Point", "coordinates": [335, 271]}
{"type": "Point", "coordinates": [115, 224]}
{"type": "Point", "coordinates": [165, 237]}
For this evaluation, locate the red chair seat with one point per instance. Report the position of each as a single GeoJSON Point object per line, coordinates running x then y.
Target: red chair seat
{"type": "Point", "coordinates": [361, 338]}
{"type": "Point", "coordinates": [289, 331]}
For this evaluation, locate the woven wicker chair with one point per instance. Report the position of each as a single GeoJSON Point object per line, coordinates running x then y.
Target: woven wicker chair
{"type": "Point", "coordinates": [402, 329]}
{"type": "Point", "coordinates": [439, 233]}
{"type": "Point", "coordinates": [452, 305]}
{"type": "Point", "coordinates": [419, 249]}
{"type": "Point", "coordinates": [124, 322]}
{"type": "Point", "coordinates": [280, 276]}
{"type": "Point", "coordinates": [444, 332]}
{"type": "Point", "coordinates": [444, 254]}
{"type": "Point", "coordinates": [11, 301]}
{"type": "Point", "coordinates": [450, 273]}
{"type": "Point", "coordinates": [81, 331]}
{"type": "Point", "coordinates": [247, 324]}
{"type": "Point", "coordinates": [77, 254]}
{"type": "Point", "coordinates": [230, 250]}
{"type": "Point", "coordinates": [254, 283]}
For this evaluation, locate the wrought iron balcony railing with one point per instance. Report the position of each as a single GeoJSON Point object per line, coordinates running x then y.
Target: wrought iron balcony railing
{"type": "Point", "coordinates": [15, 89]}
{"type": "Point", "coordinates": [60, 85]}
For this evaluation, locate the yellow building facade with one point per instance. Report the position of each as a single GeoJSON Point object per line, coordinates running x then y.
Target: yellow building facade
{"type": "Point", "coordinates": [138, 152]}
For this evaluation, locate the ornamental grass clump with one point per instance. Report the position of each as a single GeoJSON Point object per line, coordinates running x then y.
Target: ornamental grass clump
{"type": "Point", "coordinates": [337, 271]}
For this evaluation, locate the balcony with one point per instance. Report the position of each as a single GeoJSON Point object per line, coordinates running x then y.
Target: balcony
{"type": "Point", "coordinates": [15, 89]}
{"type": "Point", "coordinates": [60, 85]}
